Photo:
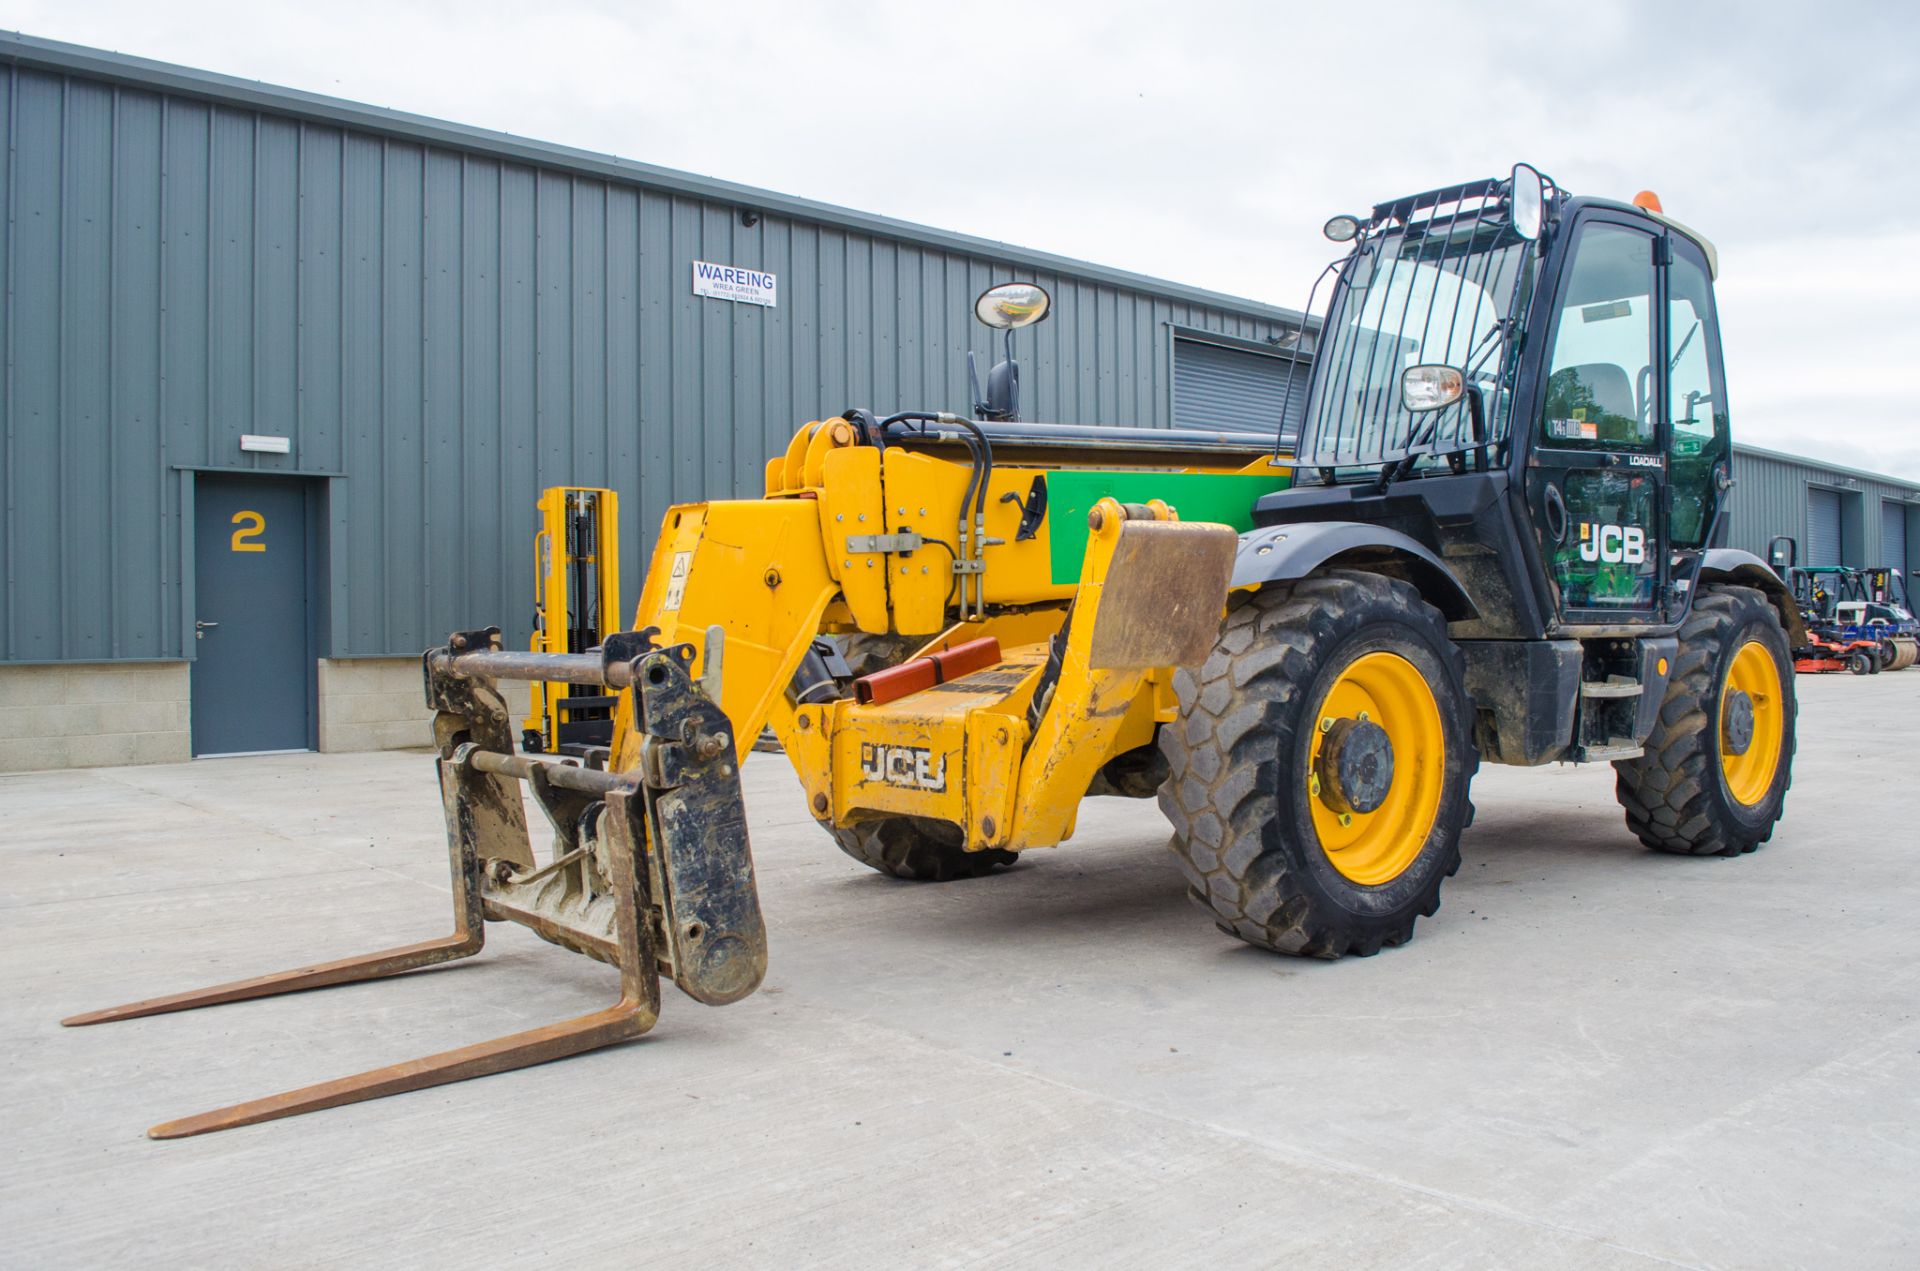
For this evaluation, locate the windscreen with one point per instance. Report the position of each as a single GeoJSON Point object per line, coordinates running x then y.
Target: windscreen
{"type": "Point", "coordinates": [1435, 291]}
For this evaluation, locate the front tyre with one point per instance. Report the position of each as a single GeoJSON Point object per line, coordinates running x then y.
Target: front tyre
{"type": "Point", "coordinates": [1320, 766]}
{"type": "Point", "coordinates": [1713, 778]}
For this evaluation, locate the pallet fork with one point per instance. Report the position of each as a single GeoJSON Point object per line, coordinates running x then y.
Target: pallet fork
{"type": "Point", "coordinates": [651, 869]}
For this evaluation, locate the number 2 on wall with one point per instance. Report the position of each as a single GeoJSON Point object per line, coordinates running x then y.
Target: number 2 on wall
{"type": "Point", "coordinates": [252, 526]}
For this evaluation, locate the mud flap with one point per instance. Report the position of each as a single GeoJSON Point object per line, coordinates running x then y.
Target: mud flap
{"type": "Point", "coordinates": [1162, 595]}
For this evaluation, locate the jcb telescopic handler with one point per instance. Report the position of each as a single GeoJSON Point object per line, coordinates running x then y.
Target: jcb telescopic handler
{"type": "Point", "coordinates": [1494, 540]}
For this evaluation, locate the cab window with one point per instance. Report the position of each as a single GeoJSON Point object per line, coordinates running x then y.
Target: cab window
{"type": "Point", "coordinates": [1695, 398]}
{"type": "Point", "coordinates": [1600, 386]}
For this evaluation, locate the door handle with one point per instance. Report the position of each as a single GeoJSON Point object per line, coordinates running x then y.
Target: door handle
{"type": "Point", "coordinates": [1556, 506]}
{"type": "Point", "coordinates": [200, 628]}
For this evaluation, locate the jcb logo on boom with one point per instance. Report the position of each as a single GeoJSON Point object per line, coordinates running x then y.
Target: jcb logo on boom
{"type": "Point", "coordinates": [913, 767]}
{"type": "Point", "coordinates": [1613, 544]}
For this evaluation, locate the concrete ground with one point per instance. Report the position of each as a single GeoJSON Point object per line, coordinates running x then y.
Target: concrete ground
{"type": "Point", "coordinates": [1592, 1056]}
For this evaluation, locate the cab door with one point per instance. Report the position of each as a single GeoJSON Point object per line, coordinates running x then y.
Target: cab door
{"type": "Point", "coordinates": [1699, 440]}
{"type": "Point", "coordinates": [1596, 478]}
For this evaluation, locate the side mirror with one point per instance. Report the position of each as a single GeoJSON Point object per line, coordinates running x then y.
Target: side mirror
{"type": "Point", "coordinates": [1430, 386]}
{"type": "Point", "coordinates": [1012, 305]}
{"type": "Point", "coordinates": [1527, 201]}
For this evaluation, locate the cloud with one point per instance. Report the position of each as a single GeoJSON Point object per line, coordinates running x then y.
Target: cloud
{"type": "Point", "coordinates": [1207, 142]}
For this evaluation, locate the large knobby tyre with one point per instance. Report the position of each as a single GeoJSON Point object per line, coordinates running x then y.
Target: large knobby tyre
{"type": "Point", "coordinates": [1713, 779]}
{"type": "Point", "coordinates": [1320, 766]}
{"type": "Point", "coordinates": [918, 848]}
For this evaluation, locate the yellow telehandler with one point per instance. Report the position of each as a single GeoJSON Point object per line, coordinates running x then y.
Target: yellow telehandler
{"type": "Point", "coordinates": [1496, 539]}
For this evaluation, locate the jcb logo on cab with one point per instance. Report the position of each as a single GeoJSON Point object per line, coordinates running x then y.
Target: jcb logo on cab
{"type": "Point", "coordinates": [1613, 544]}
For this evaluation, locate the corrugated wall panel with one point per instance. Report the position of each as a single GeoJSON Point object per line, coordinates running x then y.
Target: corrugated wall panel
{"type": "Point", "coordinates": [36, 564]}
{"type": "Point", "coordinates": [138, 476]}
{"type": "Point", "coordinates": [1774, 491]}
{"type": "Point", "coordinates": [441, 331]}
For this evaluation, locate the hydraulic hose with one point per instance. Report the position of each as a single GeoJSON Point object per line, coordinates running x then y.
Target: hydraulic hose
{"type": "Point", "coordinates": [972, 528]}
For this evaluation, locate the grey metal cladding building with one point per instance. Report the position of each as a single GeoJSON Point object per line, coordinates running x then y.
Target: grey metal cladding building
{"type": "Point", "coordinates": [1838, 515]}
{"type": "Point", "coordinates": [442, 321]}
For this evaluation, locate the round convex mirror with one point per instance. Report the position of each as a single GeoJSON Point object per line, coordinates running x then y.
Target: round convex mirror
{"type": "Point", "coordinates": [1012, 305]}
{"type": "Point", "coordinates": [1527, 200]}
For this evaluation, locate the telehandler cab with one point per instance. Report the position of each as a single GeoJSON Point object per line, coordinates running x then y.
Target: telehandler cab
{"type": "Point", "coordinates": [1494, 539]}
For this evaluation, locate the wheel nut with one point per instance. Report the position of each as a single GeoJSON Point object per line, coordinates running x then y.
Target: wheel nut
{"type": "Point", "coordinates": [1346, 819]}
{"type": "Point", "coordinates": [1326, 723]}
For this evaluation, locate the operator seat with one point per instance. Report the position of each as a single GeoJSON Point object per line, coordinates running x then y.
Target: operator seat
{"type": "Point", "coordinates": [1611, 392]}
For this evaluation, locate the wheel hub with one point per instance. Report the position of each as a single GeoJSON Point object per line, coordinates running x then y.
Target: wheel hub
{"type": "Point", "coordinates": [1736, 722]}
{"type": "Point", "coordinates": [1356, 766]}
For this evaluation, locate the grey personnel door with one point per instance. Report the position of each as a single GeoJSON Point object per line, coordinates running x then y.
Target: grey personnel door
{"type": "Point", "coordinates": [252, 680]}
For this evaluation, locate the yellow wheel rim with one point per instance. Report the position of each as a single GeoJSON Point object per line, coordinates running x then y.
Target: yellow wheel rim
{"type": "Point", "coordinates": [1376, 847]}
{"type": "Point", "coordinates": [1749, 776]}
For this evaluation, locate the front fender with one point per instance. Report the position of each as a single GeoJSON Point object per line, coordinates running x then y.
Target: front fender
{"type": "Point", "coordinates": [1282, 553]}
{"type": "Point", "coordinates": [1744, 569]}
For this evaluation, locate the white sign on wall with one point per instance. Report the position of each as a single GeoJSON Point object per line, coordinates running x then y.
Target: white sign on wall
{"type": "Point", "coordinates": [726, 282]}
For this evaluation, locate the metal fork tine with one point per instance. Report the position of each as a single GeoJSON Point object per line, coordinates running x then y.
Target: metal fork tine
{"type": "Point", "coordinates": [369, 966]}
{"type": "Point", "coordinates": [633, 953]}
{"type": "Point", "coordinates": [630, 1017]}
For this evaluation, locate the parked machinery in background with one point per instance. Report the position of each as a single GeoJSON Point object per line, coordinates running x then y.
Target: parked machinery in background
{"type": "Point", "coordinates": [576, 603]}
{"type": "Point", "coordinates": [1874, 606]}
{"type": "Point", "coordinates": [1856, 619]}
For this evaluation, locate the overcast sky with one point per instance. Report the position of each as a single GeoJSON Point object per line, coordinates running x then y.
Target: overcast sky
{"type": "Point", "coordinates": [1206, 143]}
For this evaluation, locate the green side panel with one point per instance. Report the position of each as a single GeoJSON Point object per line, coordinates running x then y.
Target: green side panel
{"type": "Point", "coordinates": [1227, 498]}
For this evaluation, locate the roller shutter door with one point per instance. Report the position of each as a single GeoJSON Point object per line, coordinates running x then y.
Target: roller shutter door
{"type": "Point", "coordinates": [1893, 536]}
{"type": "Point", "coordinates": [1235, 390]}
{"type": "Point", "coordinates": [1823, 527]}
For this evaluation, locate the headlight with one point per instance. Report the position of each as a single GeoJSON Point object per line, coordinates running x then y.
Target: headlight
{"type": "Point", "coordinates": [1431, 387]}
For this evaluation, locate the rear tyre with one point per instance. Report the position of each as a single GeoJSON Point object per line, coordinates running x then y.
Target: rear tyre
{"type": "Point", "coordinates": [912, 847]}
{"type": "Point", "coordinates": [917, 848]}
{"type": "Point", "coordinates": [1713, 779]}
{"type": "Point", "coordinates": [1320, 764]}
